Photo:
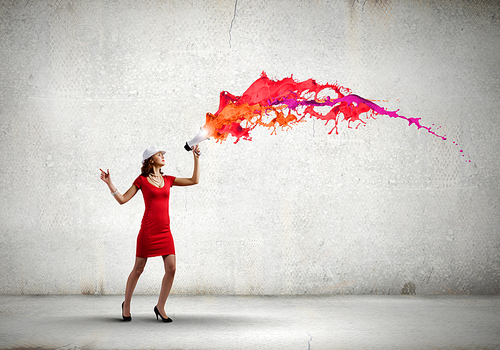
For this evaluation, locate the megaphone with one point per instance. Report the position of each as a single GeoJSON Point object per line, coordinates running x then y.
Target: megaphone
{"type": "Point", "coordinates": [199, 137]}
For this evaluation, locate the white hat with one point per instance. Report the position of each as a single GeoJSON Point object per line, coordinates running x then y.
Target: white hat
{"type": "Point", "coordinates": [149, 152]}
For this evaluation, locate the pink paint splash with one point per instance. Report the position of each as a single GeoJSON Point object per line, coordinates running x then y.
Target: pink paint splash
{"type": "Point", "coordinates": [284, 103]}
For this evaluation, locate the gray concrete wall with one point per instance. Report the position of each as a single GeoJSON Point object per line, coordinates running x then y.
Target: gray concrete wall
{"type": "Point", "coordinates": [90, 84]}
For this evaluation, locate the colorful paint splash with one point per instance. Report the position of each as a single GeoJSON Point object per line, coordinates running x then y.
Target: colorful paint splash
{"type": "Point", "coordinates": [284, 103]}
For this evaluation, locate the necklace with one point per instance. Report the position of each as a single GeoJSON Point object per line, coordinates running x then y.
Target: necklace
{"type": "Point", "coordinates": [156, 182]}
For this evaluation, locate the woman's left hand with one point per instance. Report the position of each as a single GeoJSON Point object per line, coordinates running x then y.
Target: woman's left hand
{"type": "Point", "coordinates": [196, 151]}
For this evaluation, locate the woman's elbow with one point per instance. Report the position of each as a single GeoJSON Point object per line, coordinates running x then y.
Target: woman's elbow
{"type": "Point", "coordinates": [193, 181]}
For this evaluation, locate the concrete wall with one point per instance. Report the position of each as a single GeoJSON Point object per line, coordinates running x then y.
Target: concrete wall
{"type": "Point", "coordinates": [381, 209]}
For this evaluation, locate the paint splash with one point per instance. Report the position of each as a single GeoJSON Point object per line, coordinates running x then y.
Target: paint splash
{"type": "Point", "coordinates": [284, 103]}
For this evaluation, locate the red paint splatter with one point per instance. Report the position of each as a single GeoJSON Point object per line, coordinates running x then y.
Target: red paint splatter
{"type": "Point", "coordinates": [284, 103]}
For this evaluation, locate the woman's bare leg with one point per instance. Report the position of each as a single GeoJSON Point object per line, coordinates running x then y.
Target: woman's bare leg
{"type": "Point", "coordinates": [166, 285]}
{"type": "Point", "coordinates": [139, 265]}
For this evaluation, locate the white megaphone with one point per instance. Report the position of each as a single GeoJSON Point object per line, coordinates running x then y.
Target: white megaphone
{"type": "Point", "coordinates": [199, 137]}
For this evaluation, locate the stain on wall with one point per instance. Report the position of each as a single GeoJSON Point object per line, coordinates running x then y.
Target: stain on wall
{"type": "Point", "coordinates": [408, 289]}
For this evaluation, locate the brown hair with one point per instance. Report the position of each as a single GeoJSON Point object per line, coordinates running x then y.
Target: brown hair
{"type": "Point", "coordinates": [147, 167]}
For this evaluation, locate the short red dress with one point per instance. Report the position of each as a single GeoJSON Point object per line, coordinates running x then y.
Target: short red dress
{"type": "Point", "coordinates": [155, 238]}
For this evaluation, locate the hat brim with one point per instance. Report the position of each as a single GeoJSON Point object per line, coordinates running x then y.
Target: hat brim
{"type": "Point", "coordinates": [162, 152]}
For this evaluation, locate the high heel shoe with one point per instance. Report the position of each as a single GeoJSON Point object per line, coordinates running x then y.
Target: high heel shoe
{"type": "Point", "coordinates": [168, 319]}
{"type": "Point", "coordinates": [126, 318]}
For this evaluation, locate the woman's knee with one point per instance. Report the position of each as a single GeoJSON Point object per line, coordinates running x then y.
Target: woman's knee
{"type": "Point", "coordinates": [170, 269]}
{"type": "Point", "coordinates": [170, 265]}
{"type": "Point", "coordinates": [139, 267]}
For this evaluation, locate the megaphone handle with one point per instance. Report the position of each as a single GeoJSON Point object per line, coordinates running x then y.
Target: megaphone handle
{"type": "Point", "coordinates": [186, 147]}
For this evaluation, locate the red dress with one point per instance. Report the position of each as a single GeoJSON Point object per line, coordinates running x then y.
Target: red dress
{"type": "Point", "coordinates": [155, 238]}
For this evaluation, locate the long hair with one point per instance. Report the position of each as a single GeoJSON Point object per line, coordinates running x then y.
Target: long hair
{"type": "Point", "coordinates": [147, 167]}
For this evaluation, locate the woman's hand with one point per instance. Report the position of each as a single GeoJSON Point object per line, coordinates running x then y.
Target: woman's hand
{"type": "Point", "coordinates": [196, 151]}
{"type": "Point", "coordinates": [105, 177]}
{"type": "Point", "coordinates": [120, 198]}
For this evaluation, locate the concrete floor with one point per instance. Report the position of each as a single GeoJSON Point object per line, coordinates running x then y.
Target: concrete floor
{"type": "Point", "coordinates": [234, 322]}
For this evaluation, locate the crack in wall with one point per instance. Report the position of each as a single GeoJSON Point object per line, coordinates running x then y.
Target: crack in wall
{"type": "Point", "coordinates": [309, 341]}
{"type": "Point", "coordinates": [362, 6]}
{"type": "Point", "coordinates": [231, 27]}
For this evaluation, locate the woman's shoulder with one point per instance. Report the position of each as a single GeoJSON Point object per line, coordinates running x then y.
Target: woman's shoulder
{"type": "Point", "coordinates": [169, 179]}
{"type": "Point", "coordinates": [139, 180]}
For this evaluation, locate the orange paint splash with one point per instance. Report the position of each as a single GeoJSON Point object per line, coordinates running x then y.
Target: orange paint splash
{"type": "Point", "coordinates": [285, 103]}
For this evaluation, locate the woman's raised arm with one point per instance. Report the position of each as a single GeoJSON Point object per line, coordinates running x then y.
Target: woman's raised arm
{"type": "Point", "coordinates": [120, 198]}
{"type": "Point", "coordinates": [196, 172]}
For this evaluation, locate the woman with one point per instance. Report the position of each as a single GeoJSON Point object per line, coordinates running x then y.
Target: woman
{"type": "Point", "coordinates": [155, 238]}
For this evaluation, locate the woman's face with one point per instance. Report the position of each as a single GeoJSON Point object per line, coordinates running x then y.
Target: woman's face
{"type": "Point", "coordinates": [158, 159]}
